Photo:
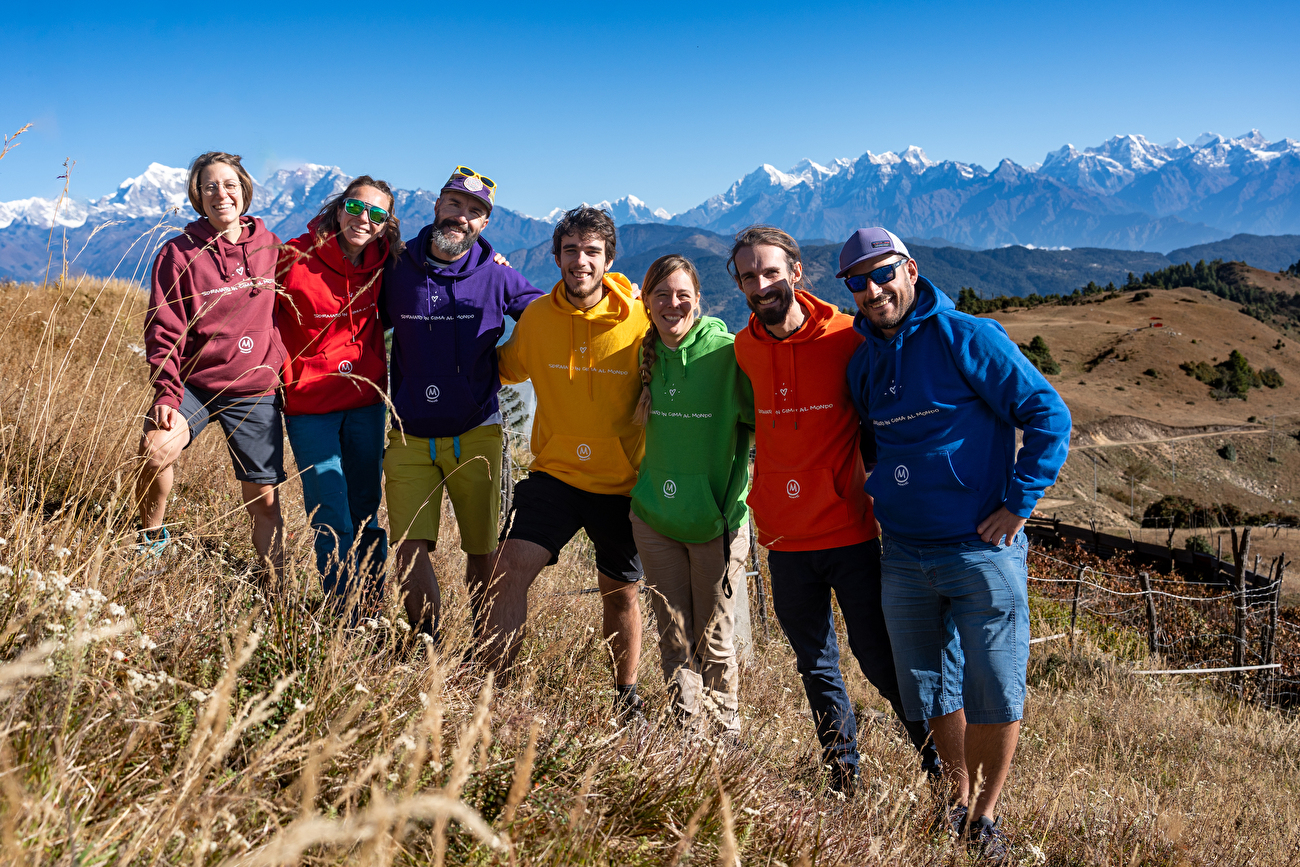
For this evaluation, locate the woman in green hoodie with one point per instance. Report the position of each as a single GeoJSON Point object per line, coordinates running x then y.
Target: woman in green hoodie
{"type": "Point", "coordinates": [688, 506]}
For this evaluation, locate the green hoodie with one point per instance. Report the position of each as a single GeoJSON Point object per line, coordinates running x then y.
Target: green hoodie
{"type": "Point", "coordinates": [695, 473]}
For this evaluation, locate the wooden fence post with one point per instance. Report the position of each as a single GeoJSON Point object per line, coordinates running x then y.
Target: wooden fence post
{"type": "Point", "coordinates": [1074, 606]}
{"type": "Point", "coordinates": [1144, 579]}
{"type": "Point", "coordinates": [1240, 554]}
{"type": "Point", "coordinates": [1271, 629]}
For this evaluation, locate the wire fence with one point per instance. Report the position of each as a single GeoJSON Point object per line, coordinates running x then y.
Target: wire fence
{"type": "Point", "coordinates": [1229, 629]}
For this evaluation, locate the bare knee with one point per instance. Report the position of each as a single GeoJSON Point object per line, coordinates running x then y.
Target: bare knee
{"type": "Point", "coordinates": [261, 502]}
{"type": "Point", "coordinates": [160, 449]}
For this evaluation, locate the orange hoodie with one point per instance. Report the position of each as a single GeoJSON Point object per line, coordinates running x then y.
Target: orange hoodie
{"type": "Point", "coordinates": [808, 477]}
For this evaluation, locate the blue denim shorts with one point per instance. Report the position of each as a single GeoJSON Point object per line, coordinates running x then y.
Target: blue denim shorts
{"type": "Point", "coordinates": [958, 619]}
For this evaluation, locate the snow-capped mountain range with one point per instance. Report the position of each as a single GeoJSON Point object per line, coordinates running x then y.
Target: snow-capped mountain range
{"type": "Point", "coordinates": [1127, 193]}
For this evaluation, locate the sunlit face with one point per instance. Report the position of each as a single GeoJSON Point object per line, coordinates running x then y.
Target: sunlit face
{"type": "Point", "coordinates": [222, 195]}
{"type": "Point", "coordinates": [886, 306]}
{"type": "Point", "coordinates": [672, 304]}
{"type": "Point", "coordinates": [458, 219]}
{"type": "Point", "coordinates": [355, 232]}
{"type": "Point", "coordinates": [583, 263]}
{"type": "Point", "coordinates": [767, 277]}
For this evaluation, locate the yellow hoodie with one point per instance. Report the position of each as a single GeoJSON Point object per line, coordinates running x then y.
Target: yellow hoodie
{"type": "Point", "coordinates": [585, 370]}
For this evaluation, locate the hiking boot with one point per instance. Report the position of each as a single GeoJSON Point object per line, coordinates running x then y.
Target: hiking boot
{"type": "Point", "coordinates": [990, 844]}
{"type": "Point", "coordinates": [153, 547]}
{"type": "Point", "coordinates": [948, 819]}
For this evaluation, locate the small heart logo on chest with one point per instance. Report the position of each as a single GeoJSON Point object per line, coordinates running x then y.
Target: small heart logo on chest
{"type": "Point", "coordinates": [582, 349]}
{"type": "Point", "coordinates": [672, 391]}
{"type": "Point", "coordinates": [783, 392]}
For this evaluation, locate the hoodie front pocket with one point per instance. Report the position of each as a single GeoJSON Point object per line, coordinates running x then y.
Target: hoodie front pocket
{"type": "Point", "coordinates": [923, 496]}
{"type": "Point", "coordinates": [680, 506]}
{"type": "Point", "coordinates": [799, 505]}
{"type": "Point", "coordinates": [600, 460]}
{"type": "Point", "coordinates": [447, 404]}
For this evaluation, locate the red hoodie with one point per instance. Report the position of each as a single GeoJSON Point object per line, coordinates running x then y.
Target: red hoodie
{"type": "Point", "coordinates": [808, 476]}
{"type": "Point", "coordinates": [328, 316]}
{"type": "Point", "coordinates": [210, 321]}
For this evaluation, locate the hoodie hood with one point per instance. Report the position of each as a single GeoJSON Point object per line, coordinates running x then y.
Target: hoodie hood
{"type": "Point", "coordinates": [930, 302]}
{"type": "Point", "coordinates": [817, 317]}
{"type": "Point", "coordinates": [477, 257]}
{"type": "Point", "coordinates": [615, 307]}
{"type": "Point", "coordinates": [232, 257]}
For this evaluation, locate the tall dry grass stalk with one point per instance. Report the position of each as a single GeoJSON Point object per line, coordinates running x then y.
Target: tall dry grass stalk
{"type": "Point", "coordinates": [167, 711]}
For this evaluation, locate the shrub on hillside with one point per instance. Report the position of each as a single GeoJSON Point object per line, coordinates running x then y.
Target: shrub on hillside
{"type": "Point", "coordinates": [1198, 545]}
{"type": "Point", "coordinates": [1228, 452]}
{"type": "Point", "coordinates": [1040, 356]}
{"type": "Point", "coordinates": [1233, 378]}
{"type": "Point", "coordinates": [1294, 270]}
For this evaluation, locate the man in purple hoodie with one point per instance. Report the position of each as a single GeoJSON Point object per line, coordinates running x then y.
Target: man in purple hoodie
{"type": "Point", "coordinates": [446, 298]}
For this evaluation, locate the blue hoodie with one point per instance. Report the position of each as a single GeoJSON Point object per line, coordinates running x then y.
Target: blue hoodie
{"type": "Point", "coordinates": [944, 396]}
{"type": "Point", "coordinates": [446, 324]}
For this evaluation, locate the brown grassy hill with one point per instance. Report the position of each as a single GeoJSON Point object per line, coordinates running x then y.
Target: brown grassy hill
{"type": "Point", "coordinates": [1134, 407]}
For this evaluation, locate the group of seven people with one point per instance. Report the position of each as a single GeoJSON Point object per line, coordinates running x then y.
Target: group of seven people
{"type": "Point", "coordinates": [886, 467]}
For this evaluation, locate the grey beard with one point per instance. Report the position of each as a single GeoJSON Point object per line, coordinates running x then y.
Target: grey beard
{"type": "Point", "coordinates": [449, 250]}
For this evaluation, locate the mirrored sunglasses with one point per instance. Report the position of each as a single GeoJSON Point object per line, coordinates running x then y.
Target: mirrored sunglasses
{"type": "Point", "coordinates": [880, 276]}
{"type": "Point", "coordinates": [356, 208]}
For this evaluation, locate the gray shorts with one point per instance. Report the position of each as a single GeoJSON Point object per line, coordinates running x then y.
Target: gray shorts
{"type": "Point", "coordinates": [253, 427]}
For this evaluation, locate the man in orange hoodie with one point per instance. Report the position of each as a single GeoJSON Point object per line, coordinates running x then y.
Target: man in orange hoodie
{"type": "Point", "coordinates": [809, 505]}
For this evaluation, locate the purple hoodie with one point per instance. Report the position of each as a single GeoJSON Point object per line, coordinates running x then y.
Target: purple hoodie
{"type": "Point", "coordinates": [446, 324]}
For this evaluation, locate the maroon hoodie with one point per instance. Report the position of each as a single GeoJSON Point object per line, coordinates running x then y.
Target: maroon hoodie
{"type": "Point", "coordinates": [210, 323]}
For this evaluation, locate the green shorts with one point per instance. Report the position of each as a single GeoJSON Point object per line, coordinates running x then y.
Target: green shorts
{"type": "Point", "coordinates": [416, 470]}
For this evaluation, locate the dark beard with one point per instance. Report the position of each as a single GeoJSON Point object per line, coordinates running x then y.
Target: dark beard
{"type": "Point", "coordinates": [449, 250]}
{"type": "Point", "coordinates": [775, 315]}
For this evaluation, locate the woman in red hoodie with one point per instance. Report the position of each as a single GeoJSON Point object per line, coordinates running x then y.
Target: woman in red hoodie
{"type": "Point", "coordinates": [336, 376]}
{"type": "Point", "coordinates": [214, 351]}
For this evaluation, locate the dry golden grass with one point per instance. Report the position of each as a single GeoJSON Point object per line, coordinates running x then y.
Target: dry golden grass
{"type": "Point", "coordinates": [164, 712]}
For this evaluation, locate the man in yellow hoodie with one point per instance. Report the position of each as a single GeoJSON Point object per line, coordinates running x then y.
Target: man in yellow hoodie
{"type": "Point", "coordinates": [579, 346]}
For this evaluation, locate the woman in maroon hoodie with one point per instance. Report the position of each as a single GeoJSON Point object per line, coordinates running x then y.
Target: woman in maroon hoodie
{"type": "Point", "coordinates": [336, 376]}
{"type": "Point", "coordinates": [214, 350]}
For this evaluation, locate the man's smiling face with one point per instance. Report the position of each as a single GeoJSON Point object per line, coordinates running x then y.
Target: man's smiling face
{"type": "Point", "coordinates": [885, 305]}
{"type": "Point", "coordinates": [583, 263]}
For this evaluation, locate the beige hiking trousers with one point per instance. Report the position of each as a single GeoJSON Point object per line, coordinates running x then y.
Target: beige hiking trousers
{"type": "Point", "coordinates": [695, 616]}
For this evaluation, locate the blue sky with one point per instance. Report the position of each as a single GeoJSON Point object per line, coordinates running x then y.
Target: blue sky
{"type": "Point", "coordinates": [564, 102]}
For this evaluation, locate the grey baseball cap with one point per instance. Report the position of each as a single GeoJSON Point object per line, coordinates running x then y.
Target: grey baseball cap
{"type": "Point", "coordinates": [868, 244]}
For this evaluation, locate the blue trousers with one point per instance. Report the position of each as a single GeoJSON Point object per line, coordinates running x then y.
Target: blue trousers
{"type": "Point", "coordinates": [341, 457]}
{"type": "Point", "coordinates": [802, 582]}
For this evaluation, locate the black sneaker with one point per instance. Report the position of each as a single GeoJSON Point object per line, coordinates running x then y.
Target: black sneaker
{"type": "Point", "coordinates": [844, 779]}
{"type": "Point", "coordinates": [991, 845]}
{"type": "Point", "coordinates": [948, 819]}
{"type": "Point", "coordinates": [631, 712]}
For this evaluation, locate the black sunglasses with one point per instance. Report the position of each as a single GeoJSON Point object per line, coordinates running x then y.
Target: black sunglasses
{"type": "Point", "coordinates": [880, 276]}
{"type": "Point", "coordinates": [356, 208]}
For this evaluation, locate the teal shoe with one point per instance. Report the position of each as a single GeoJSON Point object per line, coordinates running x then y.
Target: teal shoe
{"type": "Point", "coordinates": [153, 547]}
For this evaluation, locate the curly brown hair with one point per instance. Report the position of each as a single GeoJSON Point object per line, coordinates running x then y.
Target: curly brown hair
{"type": "Point", "coordinates": [659, 271]}
{"type": "Point", "coordinates": [583, 223]}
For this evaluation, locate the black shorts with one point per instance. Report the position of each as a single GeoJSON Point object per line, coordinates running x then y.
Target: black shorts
{"type": "Point", "coordinates": [548, 512]}
{"type": "Point", "coordinates": [253, 427]}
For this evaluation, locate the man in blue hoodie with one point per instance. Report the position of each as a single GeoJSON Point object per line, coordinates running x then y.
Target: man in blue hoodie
{"type": "Point", "coordinates": [446, 298]}
{"type": "Point", "coordinates": [944, 393]}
